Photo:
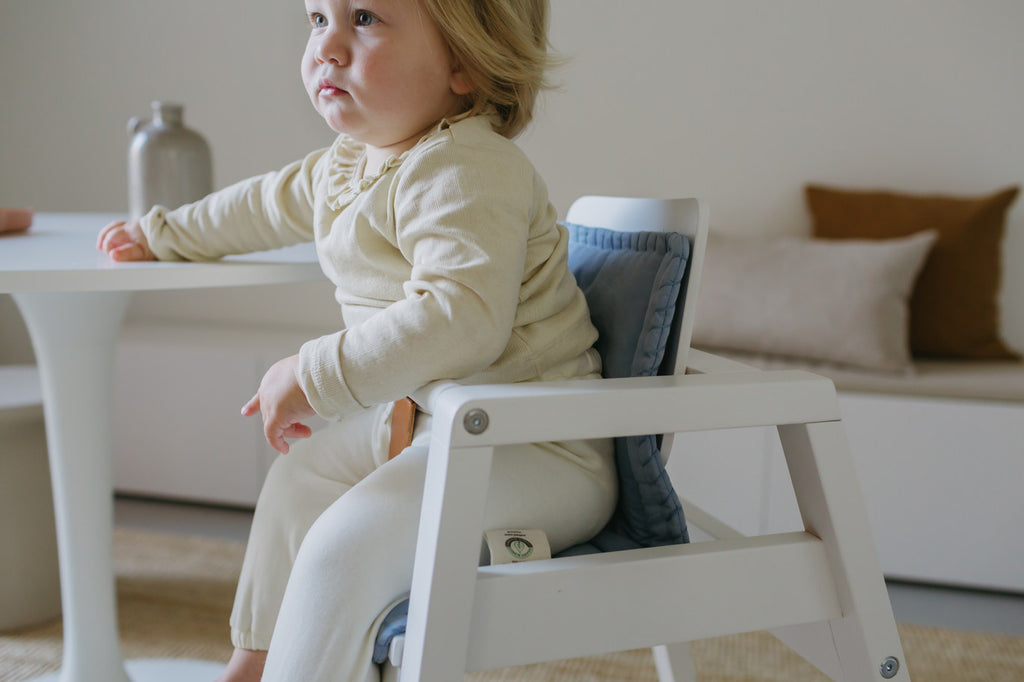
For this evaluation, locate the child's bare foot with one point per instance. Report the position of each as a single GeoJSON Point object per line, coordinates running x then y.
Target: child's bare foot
{"type": "Point", "coordinates": [245, 665]}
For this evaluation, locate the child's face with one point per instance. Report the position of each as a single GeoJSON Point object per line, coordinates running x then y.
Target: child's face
{"type": "Point", "coordinates": [379, 70]}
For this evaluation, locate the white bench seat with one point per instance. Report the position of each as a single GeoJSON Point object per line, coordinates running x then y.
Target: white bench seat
{"type": "Point", "coordinates": [20, 389]}
{"type": "Point", "coordinates": [939, 453]}
{"type": "Point", "coordinates": [999, 380]}
{"type": "Point", "coordinates": [30, 590]}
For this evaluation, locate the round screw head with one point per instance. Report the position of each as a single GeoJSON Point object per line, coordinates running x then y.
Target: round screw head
{"type": "Point", "coordinates": [475, 421]}
{"type": "Point", "coordinates": [890, 666]}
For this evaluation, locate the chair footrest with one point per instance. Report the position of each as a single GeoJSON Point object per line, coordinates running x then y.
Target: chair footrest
{"type": "Point", "coordinates": [708, 578]}
{"type": "Point", "coordinates": [565, 594]}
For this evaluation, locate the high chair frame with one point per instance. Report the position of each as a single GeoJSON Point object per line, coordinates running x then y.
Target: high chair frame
{"type": "Point", "coordinates": [820, 590]}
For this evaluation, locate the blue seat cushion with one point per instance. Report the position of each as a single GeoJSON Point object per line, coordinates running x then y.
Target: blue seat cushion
{"type": "Point", "coordinates": [392, 626]}
{"type": "Point", "coordinates": [633, 282]}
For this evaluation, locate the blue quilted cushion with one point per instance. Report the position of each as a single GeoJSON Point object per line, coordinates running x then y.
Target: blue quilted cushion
{"type": "Point", "coordinates": [632, 282]}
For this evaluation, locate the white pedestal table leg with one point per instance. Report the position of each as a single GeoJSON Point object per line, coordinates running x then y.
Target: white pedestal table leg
{"type": "Point", "coordinates": [74, 336]}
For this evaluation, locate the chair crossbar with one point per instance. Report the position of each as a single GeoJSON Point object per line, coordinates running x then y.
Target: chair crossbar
{"type": "Point", "coordinates": [745, 584]}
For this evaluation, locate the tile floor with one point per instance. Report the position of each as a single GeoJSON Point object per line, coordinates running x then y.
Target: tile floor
{"type": "Point", "coordinates": [912, 603]}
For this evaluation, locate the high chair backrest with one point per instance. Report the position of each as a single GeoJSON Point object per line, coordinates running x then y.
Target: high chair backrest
{"type": "Point", "coordinates": [686, 216]}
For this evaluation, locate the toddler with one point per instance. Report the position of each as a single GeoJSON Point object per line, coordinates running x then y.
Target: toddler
{"type": "Point", "coordinates": [448, 264]}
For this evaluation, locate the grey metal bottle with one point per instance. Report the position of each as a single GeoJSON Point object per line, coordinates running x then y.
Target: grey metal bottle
{"type": "Point", "coordinates": [168, 164]}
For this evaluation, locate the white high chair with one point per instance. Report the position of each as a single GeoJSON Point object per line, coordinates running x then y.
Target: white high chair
{"type": "Point", "coordinates": [819, 590]}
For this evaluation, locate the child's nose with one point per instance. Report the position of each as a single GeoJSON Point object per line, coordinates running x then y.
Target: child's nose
{"type": "Point", "coordinates": [333, 48]}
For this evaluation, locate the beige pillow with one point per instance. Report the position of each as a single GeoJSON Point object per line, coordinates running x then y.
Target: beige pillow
{"type": "Point", "coordinates": [954, 309]}
{"type": "Point", "coordinates": [844, 301]}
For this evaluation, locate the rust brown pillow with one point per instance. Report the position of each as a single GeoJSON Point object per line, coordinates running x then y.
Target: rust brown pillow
{"type": "Point", "coordinates": [954, 310]}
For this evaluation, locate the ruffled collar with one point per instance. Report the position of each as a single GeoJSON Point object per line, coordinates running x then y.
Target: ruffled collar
{"type": "Point", "coordinates": [346, 167]}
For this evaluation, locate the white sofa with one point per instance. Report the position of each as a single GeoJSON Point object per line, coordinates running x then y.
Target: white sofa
{"type": "Point", "coordinates": [179, 390]}
{"type": "Point", "coordinates": [940, 455]}
{"type": "Point", "coordinates": [30, 589]}
{"type": "Point", "coordinates": [939, 446]}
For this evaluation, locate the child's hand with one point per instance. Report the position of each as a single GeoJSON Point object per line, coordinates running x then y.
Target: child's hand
{"type": "Point", "coordinates": [283, 404]}
{"type": "Point", "coordinates": [124, 241]}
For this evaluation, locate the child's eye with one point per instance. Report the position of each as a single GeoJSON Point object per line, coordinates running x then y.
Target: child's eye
{"type": "Point", "coordinates": [363, 18]}
{"type": "Point", "coordinates": [317, 20]}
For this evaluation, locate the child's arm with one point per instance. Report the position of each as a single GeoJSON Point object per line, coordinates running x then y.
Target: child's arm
{"type": "Point", "coordinates": [283, 405]}
{"type": "Point", "coordinates": [257, 214]}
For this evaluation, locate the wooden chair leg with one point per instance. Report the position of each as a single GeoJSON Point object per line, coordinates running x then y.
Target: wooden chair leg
{"type": "Point", "coordinates": [447, 555]}
{"type": "Point", "coordinates": [674, 663]}
{"type": "Point", "coordinates": [814, 643]}
{"type": "Point", "coordinates": [821, 467]}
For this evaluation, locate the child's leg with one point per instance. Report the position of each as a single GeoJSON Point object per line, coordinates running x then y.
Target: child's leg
{"type": "Point", "coordinates": [357, 557]}
{"type": "Point", "coordinates": [245, 666]}
{"type": "Point", "coordinates": [298, 488]}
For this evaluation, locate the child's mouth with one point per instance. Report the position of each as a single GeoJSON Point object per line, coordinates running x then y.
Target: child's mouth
{"type": "Point", "coordinates": [325, 88]}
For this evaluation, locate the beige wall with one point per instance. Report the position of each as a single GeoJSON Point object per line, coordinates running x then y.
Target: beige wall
{"type": "Point", "coordinates": [738, 102]}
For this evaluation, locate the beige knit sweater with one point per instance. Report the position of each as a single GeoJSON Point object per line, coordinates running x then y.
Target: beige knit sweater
{"type": "Point", "coordinates": [447, 263]}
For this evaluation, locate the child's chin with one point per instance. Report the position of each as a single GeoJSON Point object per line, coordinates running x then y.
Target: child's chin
{"type": "Point", "coordinates": [333, 121]}
{"type": "Point", "coordinates": [340, 129]}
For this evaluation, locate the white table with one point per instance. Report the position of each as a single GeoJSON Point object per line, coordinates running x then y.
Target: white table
{"type": "Point", "coordinates": [73, 299]}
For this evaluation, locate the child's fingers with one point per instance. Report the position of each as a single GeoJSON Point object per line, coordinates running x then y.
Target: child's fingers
{"type": "Point", "coordinates": [273, 431]}
{"type": "Point", "coordinates": [124, 242]}
{"type": "Point", "coordinates": [116, 236]}
{"type": "Point", "coordinates": [109, 238]}
{"type": "Point", "coordinates": [276, 435]}
{"type": "Point", "coordinates": [277, 441]}
{"type": "Point", "coordinates": [251, 407]}
{"type": "Point", "coordinates": [298, 431]}
{"type": "Point", "coordinates": [127, 252]}
{"type": "Point", "coordinates": [114, 239]}
{"type": "Point", "coordinates": [102, 236]}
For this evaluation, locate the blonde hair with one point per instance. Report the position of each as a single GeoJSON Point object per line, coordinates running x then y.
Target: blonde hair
{"type": "Point", "coordinates": [502, 48]}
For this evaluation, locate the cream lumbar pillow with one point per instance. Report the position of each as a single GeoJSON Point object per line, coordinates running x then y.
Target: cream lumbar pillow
{"type": "Point", "coordinates": [843, 302]}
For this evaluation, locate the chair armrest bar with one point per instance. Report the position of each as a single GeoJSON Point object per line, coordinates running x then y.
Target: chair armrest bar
{"type": "Point", "coordinates": [702, 362]}
{"type": "Point", "coordinates": [551, 411]}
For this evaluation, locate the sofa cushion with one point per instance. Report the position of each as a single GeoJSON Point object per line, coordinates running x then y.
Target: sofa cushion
{"type": "Point", "coordinates": [975, 380]}
{"type": "Point", "coordinates": [840, 302]}
{"type": "Point", "coordinates": [954, 310]}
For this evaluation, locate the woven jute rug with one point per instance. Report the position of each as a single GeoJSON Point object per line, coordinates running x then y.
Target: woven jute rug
{"type": "Point", "coordinates": [175, 592]}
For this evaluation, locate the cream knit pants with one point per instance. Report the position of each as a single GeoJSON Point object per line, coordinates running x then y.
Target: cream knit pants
{"type": "Point", "coordinates": [334, 533]}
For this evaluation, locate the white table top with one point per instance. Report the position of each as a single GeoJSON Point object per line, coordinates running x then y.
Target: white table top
{"type": "Point", "coordinates": [58, 253]}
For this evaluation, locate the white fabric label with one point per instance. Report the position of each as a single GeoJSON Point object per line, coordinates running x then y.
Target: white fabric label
{"type": "Point", "coordinates": [511, 545]}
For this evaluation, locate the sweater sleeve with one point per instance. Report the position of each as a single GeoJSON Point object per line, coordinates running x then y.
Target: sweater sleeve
{"type": "Point", "coordinates": [264, 212]}
{"type": "Point", "coordinates": [462, 216]}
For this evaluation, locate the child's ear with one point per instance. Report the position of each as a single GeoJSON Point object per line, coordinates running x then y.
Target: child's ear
{"type": "Point", "coordinates": [459, 83]}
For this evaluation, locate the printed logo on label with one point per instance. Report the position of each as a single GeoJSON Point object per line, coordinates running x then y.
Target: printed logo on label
{"type": "Point", "coordinates": [520, 548]}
